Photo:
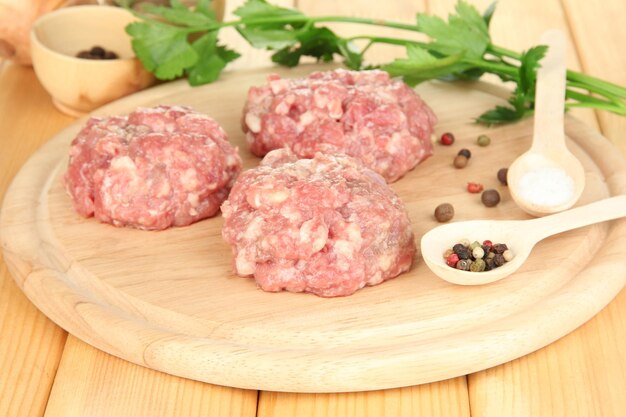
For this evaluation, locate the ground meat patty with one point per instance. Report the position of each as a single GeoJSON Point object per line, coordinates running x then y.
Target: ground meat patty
{"type": "Point", "coordinates": [364, 114]}
{"type": "Point", "coordinates": [155, 168]}
{"type": "Point", "coordinates": [326, 225]}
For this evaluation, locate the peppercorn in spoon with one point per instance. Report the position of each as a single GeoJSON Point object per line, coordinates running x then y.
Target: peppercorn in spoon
{"type": "Point", "coordinates": [519, 235]}
{"type": "Point", "coordinates": [548, 178]}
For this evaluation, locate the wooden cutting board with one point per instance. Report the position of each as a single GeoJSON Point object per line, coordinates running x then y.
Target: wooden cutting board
{"type": "Point", "coordinates": [169, 301]}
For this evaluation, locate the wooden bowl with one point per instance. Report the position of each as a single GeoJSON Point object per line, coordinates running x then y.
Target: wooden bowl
{"type": "Point", "coordinates": [79, 85]}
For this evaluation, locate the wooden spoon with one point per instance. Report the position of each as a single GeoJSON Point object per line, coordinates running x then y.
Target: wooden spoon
{"type": "Point", "coordinates": [548, 150]}
{"type": "Point", "coordinates": [519, 235]}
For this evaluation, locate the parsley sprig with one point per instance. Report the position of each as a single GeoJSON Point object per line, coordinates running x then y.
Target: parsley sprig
{"type": "Point", "coordinates": [176, 40]}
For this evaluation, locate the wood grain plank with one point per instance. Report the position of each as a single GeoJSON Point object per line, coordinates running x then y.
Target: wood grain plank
{"type": "Point", "coordinates": [599, 32]}
{"type": "Point", "coordinates": [91, 383]}
{"type": "Point", "coordinates": [30, 344]}
{"type": "Point", "coordinates": [445, 398]}
{"type": "Point", "coordinates": [517, 25]}
{"type": "Point", "coordinates": [583, 374]}
{"type": "Point", "coordinates": [548, 382]}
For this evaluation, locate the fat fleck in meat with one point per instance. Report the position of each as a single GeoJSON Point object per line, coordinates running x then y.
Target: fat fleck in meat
{"type": "Point", "coordinates": [363, 114]}
{"type": "Point", "coordinates": [327, 225]}
{"type": "Point", "coordinates": [155, 168]}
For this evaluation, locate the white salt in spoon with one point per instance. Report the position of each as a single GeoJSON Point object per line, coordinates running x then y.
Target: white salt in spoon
{"type": "Point", "coordinates": [519, 235]}
{"type": "Point", "coordinates": [548, 160]}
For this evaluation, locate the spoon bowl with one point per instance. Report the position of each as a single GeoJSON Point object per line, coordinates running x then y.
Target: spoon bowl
{"type": "Point", "coordinates": [548, 153]}
{"type": "Point", "coordinates": [537, 161]}
{"type": "Point", "coordinates": [520, 236]}
{"type": "Point", "coordinates": [438, 240]}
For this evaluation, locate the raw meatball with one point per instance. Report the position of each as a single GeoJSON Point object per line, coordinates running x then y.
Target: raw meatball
{"type": "Point", "coordinates": [326, 225]}
{"type": "Point", "coordinates": [363, 114]}
{"type": "Point", "coordinates": [155, 168]}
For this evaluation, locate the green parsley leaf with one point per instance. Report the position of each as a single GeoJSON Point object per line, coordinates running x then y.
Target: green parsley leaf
{"type": "Point", "coordinates": [204, 7]}
{"type": "Point", "coordinates": [268, 38]}
{"type": "Point", "coordinates": [465, 32]}
{"type": "Point", "coordinates": [499, 115]}
{"type": "Point", "coordinates": [260, 9]}
{"type": "Point", "coordinates": [213, 59]}
{"type": "Point", "coordinates": [420, 65]}
{"type": "Point", "coordinates": [179, 15]}
{"type": "Point", "coordinates": [320, 43]}
{"type": "Point", "coordinates": [529, 66]}
{"type": "Point", "coordinates": [162, 49]}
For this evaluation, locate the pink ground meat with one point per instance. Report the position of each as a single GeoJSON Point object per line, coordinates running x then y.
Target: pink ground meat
{"type": "Point", "coordinates": [155, 168]}
{"type": "Point", "coordinates": [327, 225]}
{"type": "Point", "coordinates": [363, 114]}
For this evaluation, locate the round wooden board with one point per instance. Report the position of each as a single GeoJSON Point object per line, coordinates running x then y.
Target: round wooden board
{"type": "Point", "coordinates": [169, 301]}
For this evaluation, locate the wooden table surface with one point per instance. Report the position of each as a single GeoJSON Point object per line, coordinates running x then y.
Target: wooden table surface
{"type": "Point", "coordinates": [45, 371]}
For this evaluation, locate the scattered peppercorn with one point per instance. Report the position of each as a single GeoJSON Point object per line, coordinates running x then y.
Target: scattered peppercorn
{"type": "Point", "coordinates": [452, 260]}
{"type": "Point", "coordinates": [465, 152]}
{"type": "Point", "coordinates": [490, 198]}
{"type": "Point", "coordinates": [444, 212]}
{"type": "Point", "coordinates": [483, 140]}
{"type": "Point", "coordinates": [97, 52]}
{"type": "Point", "coordinates": [460, 161]}
{"type": "Point", "coordinates": [474, 187]}
{"type": "Point", "coordinates": [475, 257]}
{"type": "Point", "coordinates": [502, 172]}
{"type": "Point", "coordinates": [447, 139]}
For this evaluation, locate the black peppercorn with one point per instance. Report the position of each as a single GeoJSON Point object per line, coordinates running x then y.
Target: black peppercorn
{"type": "Point", "coordinates": [490, 198]}
{"type": "Point", "coordinates": [486, 248]}
{"type": "Point", "coordinates": [499, 248]}
{"type": "Point", "coordinates": [502, 173]}
{"type": "Point", "coordinates": [465, 152]}
{"type": "Point", "coordinates": [489, 264]}
{"type": "Point", "coordinates": [444, 212]}
{"type": "Point", "coordinates": [498, 260]}
{"type": "Point", "coordinates": [462, 251]}
{"type": "Point", "coordinates": [97, 51]}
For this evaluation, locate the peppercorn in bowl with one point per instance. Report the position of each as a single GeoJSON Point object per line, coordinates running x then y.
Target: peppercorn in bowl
{"type": "Point", "coordinates": [77, 84]}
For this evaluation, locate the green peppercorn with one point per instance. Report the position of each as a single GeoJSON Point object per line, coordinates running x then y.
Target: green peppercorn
{"type": "Point", "coordinates": [447, 253]}
{"type": "Point", "coordinates": [490, 198]}
{"type": "Point", "coordinates": [474, 244]}
{"type": "Point", "coordinates": [483, 140]}
{"type": "Point", "coordinates": [490, 255]}
{"type": "Point", "coordinates": [502, 173]}
{"type": "Point", "coordinates": [477, 266]}
{"type": "Point", "coordinates": [444, 212]}
{"type": "Point", "coordinates": [463, 264]}
{"type": "Point", "coordinates": [465, 152]}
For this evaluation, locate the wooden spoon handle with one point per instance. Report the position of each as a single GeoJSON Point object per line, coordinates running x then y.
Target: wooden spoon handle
{"type": "Point", "coordinates": [550, 95]}
{"type": "Point", "coordinates": [596, 212]}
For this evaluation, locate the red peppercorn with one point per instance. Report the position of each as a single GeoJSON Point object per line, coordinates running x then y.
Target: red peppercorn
{"type": "Point", "coordinates": [447, 139]}
{"type": "Point", "coordinates": [474, 187]}
{"type": "Point", "coordinates": [488, 243]}
{"type": "Point", "coordinates": [452, 260]}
